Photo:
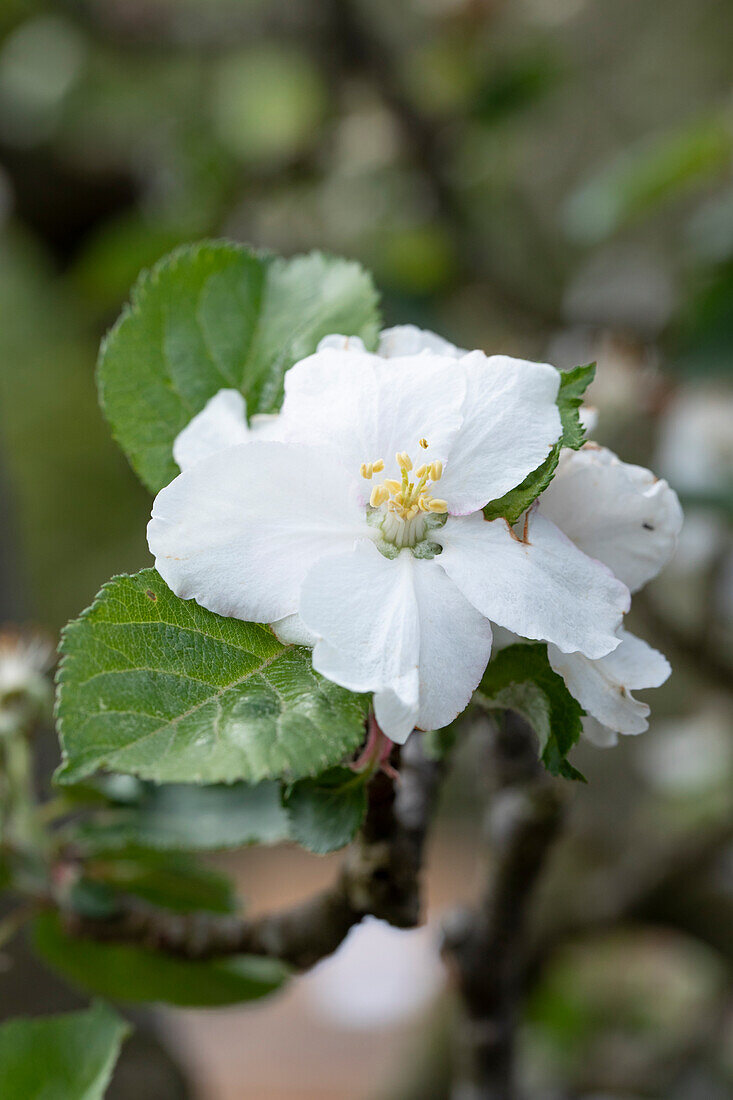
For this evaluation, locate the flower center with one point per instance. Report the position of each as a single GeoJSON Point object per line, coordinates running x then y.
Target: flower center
{"type": "Point", "coordinates": [403, 508]}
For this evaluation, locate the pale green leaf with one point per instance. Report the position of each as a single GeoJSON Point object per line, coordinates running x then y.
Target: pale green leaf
{"type": "Point", "coordinates": [161, 688]}
{"type": "Point", "coordinates": [218, 315]}
{"type": "Point", "coordinates": [185, 817]}
{"type": "Point", "coordinates": [65, 1057]}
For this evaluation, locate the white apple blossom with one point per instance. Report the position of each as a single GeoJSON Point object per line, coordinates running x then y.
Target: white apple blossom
{"type": "Point", "coordinates": [353, 521]}
{"type": "Point", "coordinates": [630, 520]}
{"type": "Point", "coordinates": [25, 690]}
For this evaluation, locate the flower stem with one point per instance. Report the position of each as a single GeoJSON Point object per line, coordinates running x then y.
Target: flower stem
{"type": "Point", "coordinates": [376, 752]}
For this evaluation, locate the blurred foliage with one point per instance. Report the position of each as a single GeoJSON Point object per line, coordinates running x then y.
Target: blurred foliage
{"type": "Point", "coordinates": [136, 975]}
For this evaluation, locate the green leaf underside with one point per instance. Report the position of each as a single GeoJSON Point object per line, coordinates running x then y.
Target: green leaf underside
{"type": "Point", "coordinates": [573, 384]}
{"type": "Point", "coordinates": [136, 975]}
{"type": "Point", "coordinates": [521, 678]}
{"type": "Point", "coordinates": [185, 817]}
{"type": "Point", "coordinates": [218, 315]}
{"type": "Point", "coordinates": [327, 812]}
{"type": "Point", "coordinates": [65, 1057]}
{"type": "Point", "coordinates": [159, 687]}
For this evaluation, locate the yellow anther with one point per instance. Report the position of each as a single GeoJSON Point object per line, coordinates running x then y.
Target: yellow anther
{"type": "Point", "coordinates": [405, 500]}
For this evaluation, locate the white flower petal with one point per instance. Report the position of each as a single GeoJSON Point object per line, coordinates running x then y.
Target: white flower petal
{"type": "Point", "coordinates": [510, 425]}
{"type": "Point", "coordinates": [364, 608]}
{"type": "Point", "coordinates": [367, 408]}
{"type": "Point", "coordinates": [603, 687]}
{"type": "Point", "coordinates": [600, 736]}
{"type": "Point", "coordinates": [341, 343]}
{"type": "Point", "coordinates": [239, 530]}
{"type": "Point", "coordinates": [396, 709]}
{"type": "Point", "coordinates": [621, 514]}
{"type": "Point", "coordinates": [542, 589]}
{"type": "Point", "coordinates": [411, 340]}
{"type": "Point", "coordinates": [455, 646]}
{"type": "Point", "coordinates": [221, 423]}
{"type": "Point", "coordinates": [292, 631]}
{"type": "Point", "coordinates": [399, 628]}
{"type": "Point", "coordinates": [265, 426]}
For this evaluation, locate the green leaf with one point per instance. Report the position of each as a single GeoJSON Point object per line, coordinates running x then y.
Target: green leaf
{"type": "Point", "coordinates": [326, 813]}
{"type": "Point", "coordinates": [168, 880]}
{"type": "Point", "coordinates": [178, 816]}
{"type": "Point", "coordinates": [136, 975]}
{"type": "Point", "coordinates": [161, 688]}
{"type": "Point", "coordinates": [514, 503]}
{"type": "Point", "coordinates": [65, 1057]}
{"type": "Point", "coordinates": [218, 315]}
{"type": "Point", "coordinates": [521, 678]}
{"type": "Point", "coordinates": [573, 384]}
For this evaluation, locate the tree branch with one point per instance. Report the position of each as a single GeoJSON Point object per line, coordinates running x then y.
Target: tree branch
{"type": "Point", "coordinates": [380, 877]}
{"type": "Point", "coordinates": [487, 948]}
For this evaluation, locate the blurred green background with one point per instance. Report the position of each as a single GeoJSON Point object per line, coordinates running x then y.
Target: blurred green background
{"type": "Point", "coordinates": [546, 178]}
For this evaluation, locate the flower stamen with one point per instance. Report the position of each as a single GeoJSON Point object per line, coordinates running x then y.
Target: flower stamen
{"type": "Point", "coordinates": [368, 468]}
{"type": "Point", "coordinates": [405, 503]}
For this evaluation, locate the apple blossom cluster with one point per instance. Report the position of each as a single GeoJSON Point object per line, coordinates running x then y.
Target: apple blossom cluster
{"type": "Point", "coordinates": [353, 523]}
